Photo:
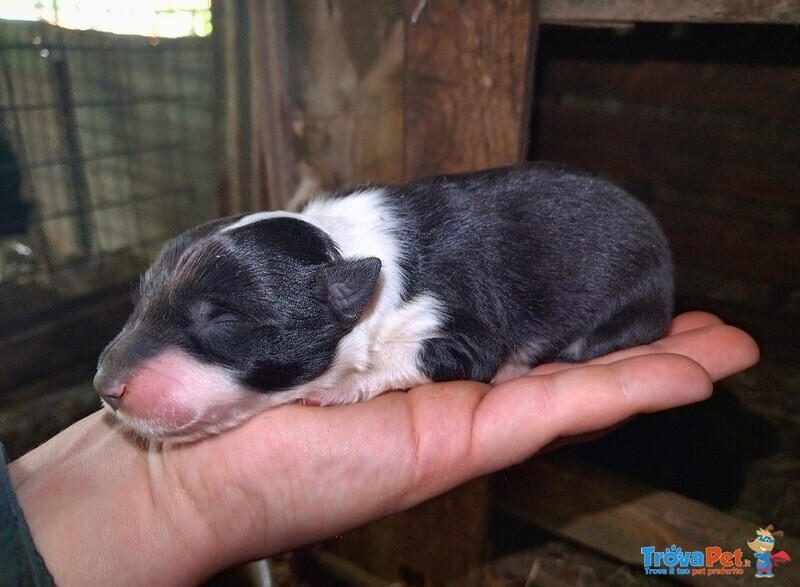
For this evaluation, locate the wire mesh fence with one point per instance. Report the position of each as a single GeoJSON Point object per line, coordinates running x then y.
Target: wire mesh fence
{"type": "Point", "coordinates": [107, 148]}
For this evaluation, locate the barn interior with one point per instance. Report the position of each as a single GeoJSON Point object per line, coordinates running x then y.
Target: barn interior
{"type": "Point", "coordinates": [114, 140]}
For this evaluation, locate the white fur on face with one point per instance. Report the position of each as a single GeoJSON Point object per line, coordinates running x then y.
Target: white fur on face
{"type": "Point", "coordinates": [262, 216]}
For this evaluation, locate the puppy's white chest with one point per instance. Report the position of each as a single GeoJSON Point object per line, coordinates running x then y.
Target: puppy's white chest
{"type": "Point", "coordinates": [381, 353]}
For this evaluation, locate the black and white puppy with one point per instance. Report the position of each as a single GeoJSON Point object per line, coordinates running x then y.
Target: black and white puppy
{"type": "Point", "coordinates": [475, 276]}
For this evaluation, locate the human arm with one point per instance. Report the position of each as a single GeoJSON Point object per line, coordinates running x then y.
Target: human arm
{"type": "Point", "coordinates": [104, 510]}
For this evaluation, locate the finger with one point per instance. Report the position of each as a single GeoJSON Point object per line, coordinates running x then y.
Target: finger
{"type": "Point", "coordinates": [690, 321]}
{"type": "Point", "coordinates": [519, 417]}
{"type": "Point", "coordinates": [682, 323]}
{"type": "Point", "coordinates": [721, 349]}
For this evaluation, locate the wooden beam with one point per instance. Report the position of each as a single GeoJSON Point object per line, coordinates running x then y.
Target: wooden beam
{"type": "Point", "coordinates": [241, 183]}
{"type": "Point", "coordinates": [468, 71]}
{"type": "Point", "coordinates": [617, 516]}
{"type": "Point", "coordinates": [378, 98]}
{"type": "Point", "coordinates": [346, 67]}
{"type": "Point", "coordinates": [623, 11]}
{"type": "Point", "coordinates": [270, 54]}
{"type": "Point", "coordinates": [468, 82]}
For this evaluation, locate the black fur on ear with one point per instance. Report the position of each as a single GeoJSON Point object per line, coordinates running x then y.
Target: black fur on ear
{"type": "Point", "coordinates": [347, 286]}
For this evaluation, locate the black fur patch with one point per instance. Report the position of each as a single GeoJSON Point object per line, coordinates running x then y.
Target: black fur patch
{"type": "Point", "coordinates": [206, 294]}
{"type": "Point", "coordinates": [538, 254]}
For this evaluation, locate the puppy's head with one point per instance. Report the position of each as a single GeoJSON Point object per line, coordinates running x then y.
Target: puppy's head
{"type": "Point", "coordinates": [231, 317]}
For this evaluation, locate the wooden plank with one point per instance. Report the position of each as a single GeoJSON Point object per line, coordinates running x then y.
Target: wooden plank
{"type": "Point", "coordinates": [611, 11]}
{"type": "Point", "coordinates": [618, 516]}
{"type": "Point", "coordinates": [727, 244]}
{"type": "Point", "coordinates": [560, 563]}
{"type": "Point", "coordinates": [734, 89]}
{"type": "Point", "coordinates": [468, 68]}
{"type": "Point", "coordinates": [701, 178]}
{"type": "Point", "coordinates": [237, 192]}
{"type": "Point", "coordinates": [735, 178]}
{"type": "Point", "coordinates": [443, 539]}
{"type": "Point", "coordinates": [700, 152]}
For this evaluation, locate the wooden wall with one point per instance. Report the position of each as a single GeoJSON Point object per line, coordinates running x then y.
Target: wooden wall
{"type": "Point", "coordinates": [701, 122]}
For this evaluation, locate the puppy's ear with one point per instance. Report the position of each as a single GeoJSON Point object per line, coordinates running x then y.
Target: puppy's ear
{"type": "Point", "coordinates": [348, 285]}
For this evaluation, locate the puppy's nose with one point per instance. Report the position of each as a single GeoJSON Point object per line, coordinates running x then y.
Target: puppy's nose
{"type": "Point", "coordinates": [110, 391]}
{"type": "Point", "coordinates": [111, 396]}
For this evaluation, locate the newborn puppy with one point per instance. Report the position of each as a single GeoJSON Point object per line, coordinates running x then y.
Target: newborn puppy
{"type": "Point", "coordinates": [477, 276]}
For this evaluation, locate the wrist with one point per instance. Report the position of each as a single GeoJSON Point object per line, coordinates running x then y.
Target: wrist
{"type": "Point", "coordinates": [100, 512]}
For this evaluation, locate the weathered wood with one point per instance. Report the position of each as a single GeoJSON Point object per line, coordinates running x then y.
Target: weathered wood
{"type": "Point", "coordinates": [468, 67]}
{"type": "Point", "coordinates": [315, 566]}
{"type": "Point", "coordinates": [269, 55]}
{"type": "Point", "coordinates": [734, 241]}
{"type": "Point", "coordinates": [346, 64]}
{"type": "Point", "coordinates": [241, 182]}
{"type": "Point", "coordinates": [462, 104]}
{"type": "Point", "coordinates": [71, 338]}
{"type": "Point", "coordinates": [467, 82]}
{"type": "Point", "coordinates": [617, 516]}
{"type": "Point", "coordinates": [756, 90]}
{"type": "Point", "coordinates": [750, 159]}
{"type": "Point", "coordinates": [444, 539]}
{"type": "Point", "coordinates": [703, 175]}
{"type": "Point", "coordinates": [610, 11]}
{"type": "Point", "coordinates": [559, 563]}
{"type": "Point", "coordinates": [346, 61]}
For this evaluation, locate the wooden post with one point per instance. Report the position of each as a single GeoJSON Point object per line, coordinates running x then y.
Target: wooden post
{"type": "Point", "coordinates": [269, 54]}
{"type": "Point", "coordinates": [468, 69]}
{"type": "Point", "coordinates": [467, 85]}
{"type": "Point", "coordinates": [242, 184]}
{"type": "Point", "coordinates": [379, 98]}
{"type": "Point", "coordinates": [346, 83]}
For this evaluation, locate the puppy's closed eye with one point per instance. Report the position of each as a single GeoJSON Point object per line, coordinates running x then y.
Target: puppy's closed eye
{"type": "Point", "coordinates": [211, 324]}
{"type": "Point", "coordinates": [205, 311]}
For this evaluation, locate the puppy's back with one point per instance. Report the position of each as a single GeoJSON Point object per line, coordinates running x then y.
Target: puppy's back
{"type": "Point", "coordinates": [534, 255]}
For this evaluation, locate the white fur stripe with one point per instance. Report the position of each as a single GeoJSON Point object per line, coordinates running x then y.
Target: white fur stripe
{"type": "Point", "coordinates": [260, 216]}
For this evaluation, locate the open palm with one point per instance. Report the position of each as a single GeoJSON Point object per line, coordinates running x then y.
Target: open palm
{"type": "Point", "coordinates": [104, 509]}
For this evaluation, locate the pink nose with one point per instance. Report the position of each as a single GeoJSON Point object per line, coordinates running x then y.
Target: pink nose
{"type": "Point", "coordinates": [112, 395]}
{"type": "Point", "coordinates": [110, 391]}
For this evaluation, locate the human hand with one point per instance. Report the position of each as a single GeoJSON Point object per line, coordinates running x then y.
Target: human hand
{"type": "Point", "coordinates": [105, 510]}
